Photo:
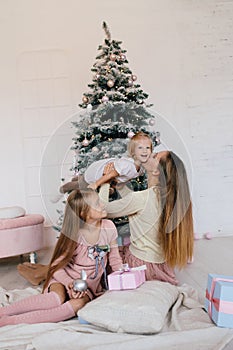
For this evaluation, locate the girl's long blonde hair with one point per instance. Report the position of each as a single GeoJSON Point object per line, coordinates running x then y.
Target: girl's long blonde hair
{"type": "Point", "coordinates": [176, 220]}
{"type": "Point", "coordinates": [76, 211]}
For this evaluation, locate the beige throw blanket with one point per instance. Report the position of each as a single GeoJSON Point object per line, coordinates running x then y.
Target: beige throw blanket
{"type": "Point", "coordinates": [187, 326]}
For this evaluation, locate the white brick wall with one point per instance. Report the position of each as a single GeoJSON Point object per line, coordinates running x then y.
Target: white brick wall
{"type": "Point", "coordinates": [209, 107]}
{"type": "Point", "coordinates": [181, 52]}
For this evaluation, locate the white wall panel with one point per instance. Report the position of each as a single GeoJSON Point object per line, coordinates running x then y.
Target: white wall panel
{"type": "Point", "coordinates": [181, 52]}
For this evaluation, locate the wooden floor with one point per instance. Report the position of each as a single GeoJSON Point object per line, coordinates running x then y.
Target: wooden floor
{"type": "Point", "coordinates": [10, 278]}
{"type": "Point", "coordinates": [210, 256]}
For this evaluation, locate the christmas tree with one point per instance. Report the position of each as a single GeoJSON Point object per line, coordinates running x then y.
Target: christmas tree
{"type": "Point", "coordinates": [114, 110]}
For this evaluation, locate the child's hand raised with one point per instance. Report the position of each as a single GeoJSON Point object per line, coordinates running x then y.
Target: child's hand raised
{"type": "Point", "coordinates": [108, 168]}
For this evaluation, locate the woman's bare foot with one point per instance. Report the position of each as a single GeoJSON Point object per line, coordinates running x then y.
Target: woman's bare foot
{"type": "Point", "coordinates": [33, 273]}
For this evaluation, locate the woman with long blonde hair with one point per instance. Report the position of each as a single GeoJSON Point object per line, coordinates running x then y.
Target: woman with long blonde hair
{"type": "Point", "coordinates": [175, 227]}
{"type": "Point", "coordinates": [160, 218]}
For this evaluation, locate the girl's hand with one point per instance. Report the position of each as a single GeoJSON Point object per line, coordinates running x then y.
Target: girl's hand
{"type": "Point", "coordinates": [78, 295]}
{"type": "Point", "coordinates": [75, 295]}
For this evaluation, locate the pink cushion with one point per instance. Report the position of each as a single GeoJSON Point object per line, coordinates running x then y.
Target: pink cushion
{"type": "Point", "coordinates": [27, 220]}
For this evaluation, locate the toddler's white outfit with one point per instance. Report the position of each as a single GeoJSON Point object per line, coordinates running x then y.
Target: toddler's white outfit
{"type": "Point", "coordinates": [124, 166]}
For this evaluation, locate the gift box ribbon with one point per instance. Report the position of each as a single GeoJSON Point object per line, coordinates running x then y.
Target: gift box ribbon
{"type": "Point", "coordinates": [224, 305]}
{"type": "Point", "coordinates": [126, 268]}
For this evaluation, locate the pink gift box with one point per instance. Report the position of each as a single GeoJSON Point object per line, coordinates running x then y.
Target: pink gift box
{"type": "Point", "coordinates": [129, 279]}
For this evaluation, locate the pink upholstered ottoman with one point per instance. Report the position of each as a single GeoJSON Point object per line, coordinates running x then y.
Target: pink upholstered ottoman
{"type": "Point", "coordinates": [21, 235]}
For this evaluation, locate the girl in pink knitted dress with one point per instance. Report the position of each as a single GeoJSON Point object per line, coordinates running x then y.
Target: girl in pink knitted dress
{"type": "Point", "coordinates": [82, 245]}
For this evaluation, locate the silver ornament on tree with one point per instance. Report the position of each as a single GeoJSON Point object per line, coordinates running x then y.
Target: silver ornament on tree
{"type": "Point", "coordinates": [80, 284]}
{"type": "Point", "coordinates": [151, 122]}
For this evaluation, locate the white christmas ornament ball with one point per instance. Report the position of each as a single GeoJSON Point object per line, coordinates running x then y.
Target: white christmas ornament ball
{"type": "Point", "coordinates": [110, 83]}
{"type": "Point", "coordinates": [85, 142]}
{"type": "Point", "coordinates": [113, 57]}
{"type": "Point", "coordinates": [134, 77]}
{"type": "Point", "coordinates": [95, 149]}
{"type": "Point", "coordinates": [89, 107]}
{"type": "Point", "coordinates": [152, 122]}
{"type": "Point", "coordinates": [105, 99]}
{"type": "Point", "coordinates": [106, 155]}
{"type": "Point", "coordinates": [130, 82]}
{"type": "Point", "coordinates": [122, 57]}
{"type": "Point", "coordinates": [130, 134]}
